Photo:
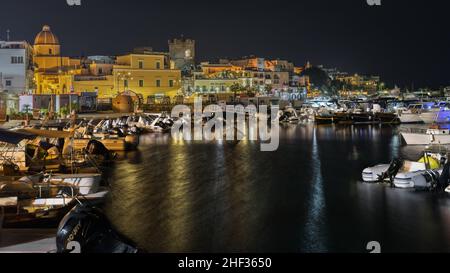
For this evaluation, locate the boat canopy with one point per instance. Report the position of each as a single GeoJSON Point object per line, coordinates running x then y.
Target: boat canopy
{"type": "Point", "coordinates": [48, 133]}
{"type": "Point", "coordinates": [13, 137]}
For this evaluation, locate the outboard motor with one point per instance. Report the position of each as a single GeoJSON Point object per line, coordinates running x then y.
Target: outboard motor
{"type": "Point", "coordinates": [95, 147]}
{"type": "Point", "coordinates": [427, 181]}
{"type": "Point", "coordinates": [86, 229]}
{"type": "Point", "coordinates": [445, 177]}
{"type": "Point", "coordinates": [393, 170]}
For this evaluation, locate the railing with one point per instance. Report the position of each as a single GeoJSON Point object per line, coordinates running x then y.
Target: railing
{"type": "Point", "coordinates": [414, 130]}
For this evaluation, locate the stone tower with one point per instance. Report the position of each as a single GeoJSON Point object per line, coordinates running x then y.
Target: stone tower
{"type": "Point", "coordinates": [182, 53]}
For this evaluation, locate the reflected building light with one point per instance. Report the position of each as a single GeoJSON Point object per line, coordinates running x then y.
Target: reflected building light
{"type": "Point", "coordinates": [315, 229]}
{"type": "Point", "coordinates": [395, 147]}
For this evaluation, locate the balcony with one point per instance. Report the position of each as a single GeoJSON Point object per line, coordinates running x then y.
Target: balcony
{"type": "Point", "coordinates": [89, 78]}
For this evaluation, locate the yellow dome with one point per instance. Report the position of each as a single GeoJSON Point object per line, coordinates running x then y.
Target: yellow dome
{"type": "Point", "coordinates": [46, 37]}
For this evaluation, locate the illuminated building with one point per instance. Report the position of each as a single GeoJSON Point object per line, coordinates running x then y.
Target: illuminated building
{"type": "Point", "coordinates": [53, 73]}
{"type": "Point", "coordinates": [254, 73]}
{"type": "Point", "coordinates": [148, 74]}
{"type": "Point", "coordinates": [359, 84]}
{"type": "Point", "coordinates": [143, 72]}
{"type": "Point", "coordinates": [16, 74]}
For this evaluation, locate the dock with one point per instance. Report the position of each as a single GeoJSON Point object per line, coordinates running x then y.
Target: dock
{"type": "Point", "coordinates": [27, 240]}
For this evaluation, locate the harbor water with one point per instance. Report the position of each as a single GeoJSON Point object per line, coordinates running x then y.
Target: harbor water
{"type": "Point", "coordinates": [174, 196]}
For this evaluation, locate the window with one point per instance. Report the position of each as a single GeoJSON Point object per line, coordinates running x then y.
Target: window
{"type": "Point", "coordinates": [125, 83]}
{"type": "Point", "coordinates": [158, 83]}
{"type": "Point", "coordinates": [8, 83]}
{"type": "Point", "coordinates": [141, 83]}
{"type": "Point", "coordinates": [17, 60]}
{"type": "Point", "coordinates": [158, 65]}
{"type": "Point", "coordinates": [141, 64]}
{"type": "Point", "coordinates": [170, 83]}
{"type": "Point", "coordinates": [100, 71]}
{"type": "Point", "coordinates": [50, 51]}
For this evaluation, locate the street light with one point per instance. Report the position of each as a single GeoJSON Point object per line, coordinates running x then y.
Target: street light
{"type": "Point", "coordinates": [123, 77]}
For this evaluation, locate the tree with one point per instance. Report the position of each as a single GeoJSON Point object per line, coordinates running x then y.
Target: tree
{"type": "Point", "coordinates": [26, 108]}
{"type": "Point", "coordinates": [235, 88]}
{"type": "Point", "coordinates": [322, 81]}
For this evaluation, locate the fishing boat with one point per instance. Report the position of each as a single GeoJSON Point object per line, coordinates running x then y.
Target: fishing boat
{"type": "Point", "coordinates": [324, 116]}
{"type": "Point", "coordinates": [158, 123]}
{"type": "Point", "coordinates": [387, 118]}
{"type": "Point", "coordinates": [115, 135]}
{"type": "Point", "coordinates": [289, 115]}
{"type": "Point", "coordinates": [112, 143]}
{"type": "Point", "coordinates": [12, 148]}
{"type": "Point", "coordinates": [45, 199]}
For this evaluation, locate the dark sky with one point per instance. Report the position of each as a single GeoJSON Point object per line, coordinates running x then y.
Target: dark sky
{"type": "Point", "coordinates": [404, 41]}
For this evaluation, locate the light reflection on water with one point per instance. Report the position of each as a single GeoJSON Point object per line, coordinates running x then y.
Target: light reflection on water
{"type": "Point", "coordinates": [176, 196]}
{"type": "Point", "coordinates": [315, 227]}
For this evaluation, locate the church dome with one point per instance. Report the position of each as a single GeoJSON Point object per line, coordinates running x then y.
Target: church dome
{"type": "Point", "coordinates": [46, 37]}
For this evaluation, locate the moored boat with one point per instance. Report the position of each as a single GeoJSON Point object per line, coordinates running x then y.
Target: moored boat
{"type": "Point", "coordinates": [426, 137]}
{"type": "Point", "coordinates": [423, 173]}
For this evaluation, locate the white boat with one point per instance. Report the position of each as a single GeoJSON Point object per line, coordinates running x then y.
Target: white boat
{"type": "Point", "coordinates": [436, 116]}
{"type": "Point", "coordinates": [425, 113]}
{"type": "Point", "coordinates": [85, 183]}
{"type": "Point", "coordinates": [428, 137]}
{"type": "Point", "coordinates": [406, 174]}
{"type": "Point", "coordinates": [406, 118]}
{"type": "Point", "coordinates": [411, 114]}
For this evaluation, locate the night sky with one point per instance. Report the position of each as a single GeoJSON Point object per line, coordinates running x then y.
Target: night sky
{"type": "Point", "coordinates": [404, 41]}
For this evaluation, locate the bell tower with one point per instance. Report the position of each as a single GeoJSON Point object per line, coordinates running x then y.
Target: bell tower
{"type": "Point", "coordinates": [182, 53]}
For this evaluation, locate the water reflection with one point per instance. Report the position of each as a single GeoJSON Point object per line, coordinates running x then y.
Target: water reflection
{"type": "Point", "coordinates": [315, 228]}
{"type": "Point", "coordinates": [177, 196]}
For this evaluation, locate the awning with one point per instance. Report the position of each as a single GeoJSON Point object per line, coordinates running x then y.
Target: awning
{"type": "Point", "coordinates": [47, 133]}
{"type": "Point", "coordinates": [14, 137]}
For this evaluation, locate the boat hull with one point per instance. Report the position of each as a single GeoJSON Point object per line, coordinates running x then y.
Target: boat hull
{"type": "Point", "coordinates": [86, 183]}
{"type": "Point", "coordinates": [435, 117]}
{"type": "Point", "coordinates": [425, 139]}
{"type": "Point", "coordinates": [114, 145]}
{"type": "Point", "coordinates": [410, 119]}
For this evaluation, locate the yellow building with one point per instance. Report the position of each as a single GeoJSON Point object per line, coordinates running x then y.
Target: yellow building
{"type": "Point", "coordinates": [148, 74]}
{"type": "Point", "coordinates": [53, 73]}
